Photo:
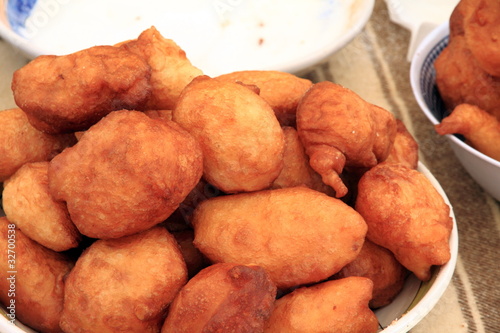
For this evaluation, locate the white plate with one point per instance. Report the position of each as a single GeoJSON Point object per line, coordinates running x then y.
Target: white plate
{"type": "Point", "coordinates": [219, 36]}
{"type": "Point", "coordinates": [414, 302]}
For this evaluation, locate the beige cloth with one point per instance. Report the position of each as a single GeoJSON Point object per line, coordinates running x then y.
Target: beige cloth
{"type": "Point", "coordinates": [374, 65]}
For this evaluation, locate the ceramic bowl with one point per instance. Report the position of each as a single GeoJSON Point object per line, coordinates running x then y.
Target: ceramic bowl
{"type": "Point", "coordinates": [414, 302]}
{"type": "Point", "coordinates": [219, 36]}
{"type": "Point", "coordinates": [483, 169]}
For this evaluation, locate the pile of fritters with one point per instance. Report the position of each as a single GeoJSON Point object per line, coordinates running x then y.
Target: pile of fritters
{"type": "Point", "coordinates": [145, 196]}
{"type": "Point", "coordinates": [468, 75]}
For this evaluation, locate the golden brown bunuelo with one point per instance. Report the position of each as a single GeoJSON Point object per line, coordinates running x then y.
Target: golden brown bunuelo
{"type": "Point", "coordinates": [27, 202]}
{"type": "Point", "coordinates": [21, 143]}
{"type": "Point", "coordinates": [223, 297]}
{"type": "Point", "coordinates": [124, 284]}
{"type": "Point", "coordinates": [297, 234]}
{"type": "Point", "coordinates": [379, 265]}
{"type": "Point", "coordinates": [333, 306]}
{"type": "Point", "coordinates": [406, 215]}
{"type": "Point", "coordinates": [127, 173]}
{"type": "Point", "coordinates": [340, 129]}
{"type": "Point", "coordinates": [241, 139]}
{"type": "Point", "coordinates": [38, 283]}
{"type": "Point", "coordinates": [480, 129]}
{"type": "Point", "coordinates": [72, 92]}
{"type": "Point", "coordinates": [283, 91]}
{"type": "Point", "coordinates": [171, 70]}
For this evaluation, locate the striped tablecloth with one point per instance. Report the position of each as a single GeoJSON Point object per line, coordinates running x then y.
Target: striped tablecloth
{"type": "Point", "coordinates": [375, 66]}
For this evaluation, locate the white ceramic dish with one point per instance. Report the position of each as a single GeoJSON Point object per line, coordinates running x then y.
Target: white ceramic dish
{"type": "Point", "coordinates": [483, 169]}
{"type": "Point", "coordinates": [415, 301]}
{"type": "Point", "coordinates": [218, 36]}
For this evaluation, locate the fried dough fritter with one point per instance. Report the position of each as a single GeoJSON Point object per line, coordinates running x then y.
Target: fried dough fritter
{"type": "Point", "coordinates": [297, 234]}
{"type": "Point", "coordinates": [241, 139]}
{"type": "Point", "coordinates": [27, 203]}
{"type": "Point", "coordinates": [72, 92]}
{"type": "Point", "coordinates": [223, 297]}
{"type": "Point", "coordinates": [456, 21]}
{"type": "Point", "coordinates": [171, 69]}
{"type": "Point", "coordinates": [460, 79]}
{"type": "Point", "coordinates": [124, 284]}
{"type": "Point", "coordinates": [296, 168]}
{"type": "Point", "coordinates": [21, 143]}
{"type": "Point", "coordinates": [339, 129]}
{"type": "Point", "coordinates": [379, 265]}
{"type": "Point", "coordinates": [332, 306]}
{"type": "Point", "coordinates": [481, 21]}
{"type": "Point", "coordinates": [405, 147]}
{"type": "Point", "coordinates": [283, 91]}
{"type": "Point", "coordinates": [38, 283]}
{"type": "Point", "coordinates": [480, 129]}
{"type": "Point", "coordinates": [406, 215]}
{"type": "Point", "coordinates": [127, 173]}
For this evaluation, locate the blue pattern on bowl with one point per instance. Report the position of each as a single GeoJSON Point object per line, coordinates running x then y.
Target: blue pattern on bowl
{"type": "Point", "coordinates": [428, 86]}
{"type": "Point", "coordinates": [18, 12]}
{"type": "Point", "coordinates": [430, 92]}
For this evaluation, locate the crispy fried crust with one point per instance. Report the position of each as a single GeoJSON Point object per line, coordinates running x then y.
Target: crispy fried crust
{"type": "Point", "coordinates": [171, 69]}
{"type": "Point", "coordinates": [338, 128]}
{"type": "Point", "coordinates": [195, 261]}
{"type": "Point", "coordinates": [468, 69]}
{"type": "Point", "coordinates": [332, 306]}
{"type": "Point", "coordinates": [223, 297]}
{"type": "Point", "coordinates": [72, 92]}
{"type": "Point", "coordinates": [481, 19]}
{"type": "Point", "coordinates": [297, 234]}
{"type": "Point", "coordinates": [406, 215]}
{"type": "Point", "coordinates": [21, 143]}
{"type": "Point", "coordinates": [296, 168]}
{"type": "Point", "coordinates": [126, 174]}
{"type": "Point", "coordinates": [39, 279]}
{"type": "Point", "coordinates": [460, 79]}
{"type": "Point", "coordinates": [480, 129]}
{"type": "Point", "coordinates": [405, 147]}
{"type": "Point", "coordinates": [27, 203]}
{"type": "Point", "coordinates": [124, 284]}
{"type": "Point", "coordinates": [241, 138]}
{"type": "Point", "coordinates": [281, 90]}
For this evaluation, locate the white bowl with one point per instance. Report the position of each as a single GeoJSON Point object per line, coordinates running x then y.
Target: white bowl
{"type": "Point", "coordinates": [414, 302]}
{"type": "Point", "coordinates": [483, 169]}
{"type": "Point", "coordinates": [218, 36]}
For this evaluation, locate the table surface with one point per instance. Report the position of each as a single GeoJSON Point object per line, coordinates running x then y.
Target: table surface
{"type": "Point", "coordinates": [375, 66]}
